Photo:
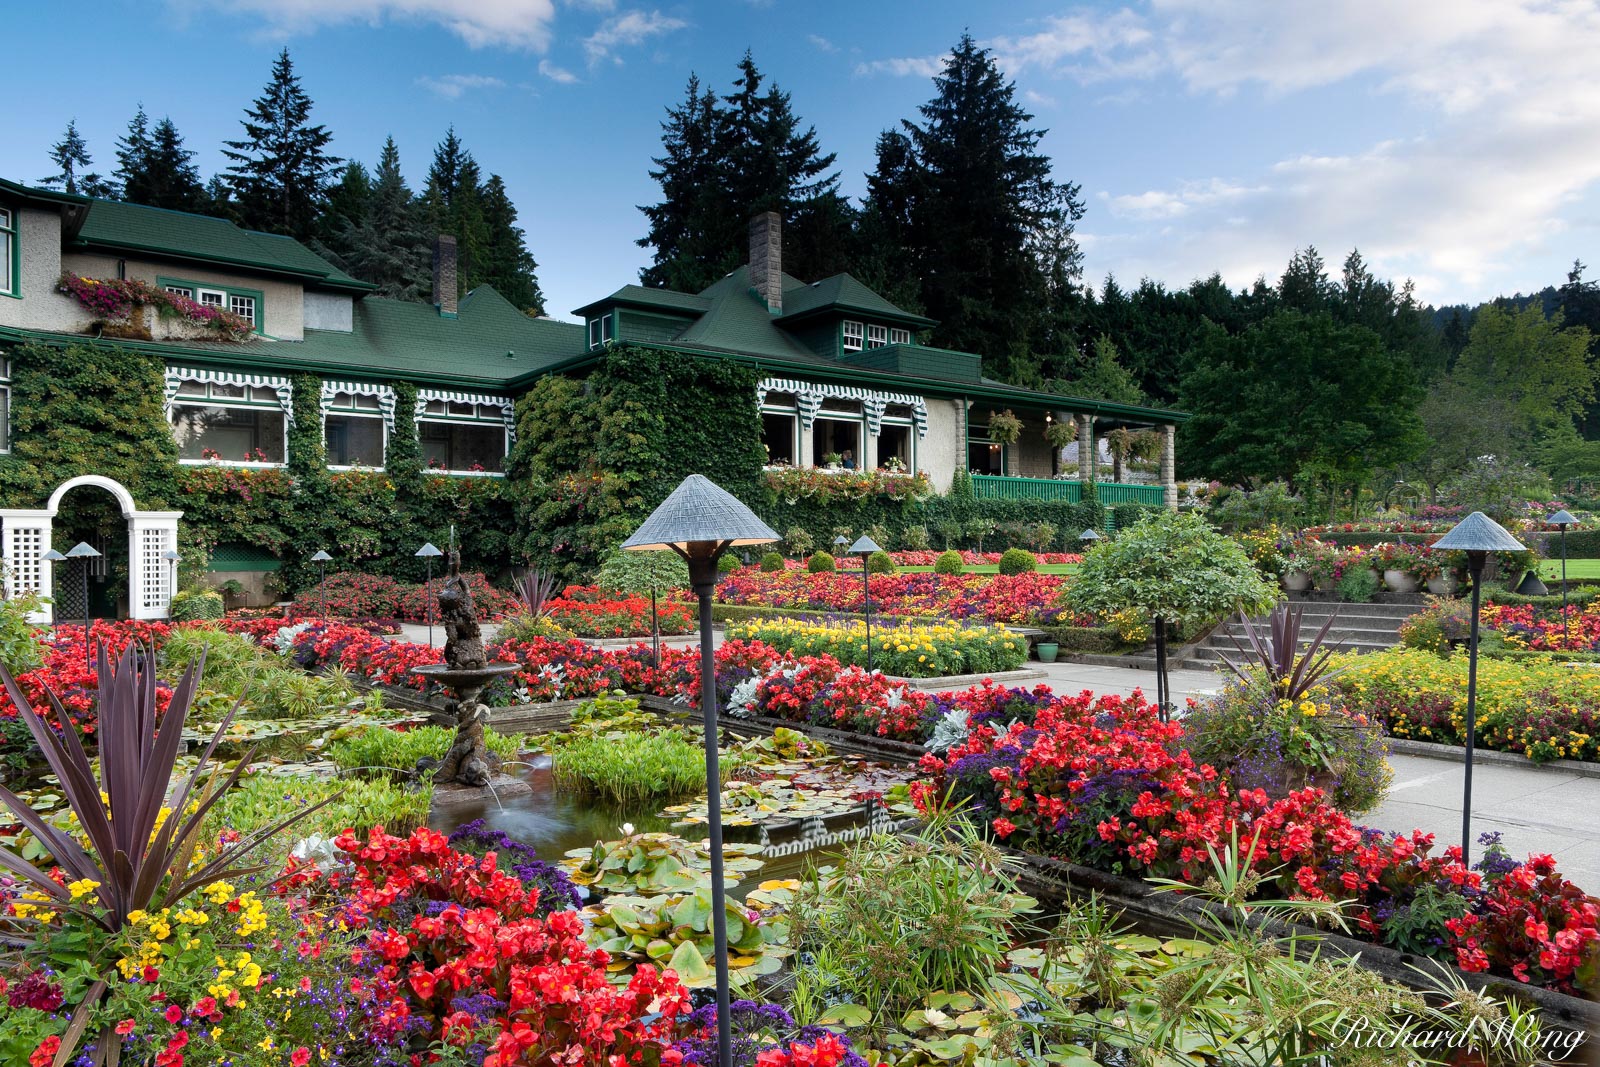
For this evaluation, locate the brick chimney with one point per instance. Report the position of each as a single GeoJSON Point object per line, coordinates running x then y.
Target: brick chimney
{"type": "Point", "coordinates": [766, 258]}
{"type": "Point", "coordinates": [446, 289]}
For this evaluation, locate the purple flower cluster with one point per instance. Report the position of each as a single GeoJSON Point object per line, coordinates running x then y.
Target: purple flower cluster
{"type": "Point", "coordinates": [756, 1027]}
{"type": "Point", "coordinates": [556, 891]}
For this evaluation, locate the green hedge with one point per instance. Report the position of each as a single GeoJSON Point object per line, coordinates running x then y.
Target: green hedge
{"type": "Point", "coordinates": [1084, 638]}
{"type": "Point", "coordinates": [1581, 544]}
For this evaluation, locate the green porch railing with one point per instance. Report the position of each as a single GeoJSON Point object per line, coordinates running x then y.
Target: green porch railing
{"type": "Point", "coordinates": [995, 487]}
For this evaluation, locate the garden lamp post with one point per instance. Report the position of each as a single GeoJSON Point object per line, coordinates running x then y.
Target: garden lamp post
{"type": "Point", "coordinates": [700, 521]}
{"type": "Point", "coordinates": [53, 557]}
{"type": "Point", "coordinates": [864, 547]}
{"type": "Point", "coordinates": [321, 560]}
{"type": "Point", "coordinates": [172, 557]}
{"type": "Point", "coordinates": [428, 551]}
{"type": "Point", "coordinates": [85, 551]}
{"type": "Point", "coordinates": [841, 545]}
{"type": "Point", "coordinates": [1561, 520]}
{"type": "Point", "coordinates": [1477, 535]}
{"type": "Point", "coordinates": [1088, 538]}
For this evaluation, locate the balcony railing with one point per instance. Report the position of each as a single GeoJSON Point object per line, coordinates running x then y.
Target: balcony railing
{"type": "Point", "coordinates": [995, 487]}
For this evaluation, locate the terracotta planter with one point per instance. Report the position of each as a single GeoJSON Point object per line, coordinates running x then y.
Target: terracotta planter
{"type": "Point", "coordinates": [1399, 582]}
{"type": "Point", "coordinates": [1297, 581]}
{"type": "Point", "coordinates": [1444, 585]}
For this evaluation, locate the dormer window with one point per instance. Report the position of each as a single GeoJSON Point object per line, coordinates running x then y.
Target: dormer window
{"type": "Point", "coordinates": [245, 303]}
{"type": "Point", "coordinates": [877, 336]}
{"type": "Point", "coordinates": [852, 336]}
{"type": "Point", "coordinates": [899, 337]}
{"type": "Point", "coordinates": [601, 331]}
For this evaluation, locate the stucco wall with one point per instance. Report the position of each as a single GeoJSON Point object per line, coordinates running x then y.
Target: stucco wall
{"type": "Point", "coordinates": [41, 307]}
{"type": "Point", "coordinates": [946, 444]}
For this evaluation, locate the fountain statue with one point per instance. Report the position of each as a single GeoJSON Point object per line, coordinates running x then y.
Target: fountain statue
{"type": "Point", "coordinates": [465, 671]}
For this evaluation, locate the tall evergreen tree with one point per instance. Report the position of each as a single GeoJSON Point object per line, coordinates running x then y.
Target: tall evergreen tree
{"type": "Point", "coordinates": [725, 160]}
{"type": "Point", "coordinates": [347, 201]}
{"type": "Point", "coordinates": [155, 169]}
{"type": "Point", "coordinates": [71, 157]}
{"type": "Point", "coordinates": [386, 245]}
{"type": "Point", "coordinates": [985, 222]}
{"type": "Point", "coordinates": [507, 263]}
{"type": "Point", "coordinates": [281, 167]}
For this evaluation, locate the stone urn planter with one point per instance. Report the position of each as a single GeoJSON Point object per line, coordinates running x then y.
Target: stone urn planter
{"type": "Point", "coordinates": [1297, 581]}
{"type": "Point", "coordinates": [1399, 581]}
{"type": "Point", "coordinates": [1444, 585]}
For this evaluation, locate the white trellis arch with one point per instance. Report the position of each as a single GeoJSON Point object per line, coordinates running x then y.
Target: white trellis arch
{"type": "Point", "coordinates": [25, 537]}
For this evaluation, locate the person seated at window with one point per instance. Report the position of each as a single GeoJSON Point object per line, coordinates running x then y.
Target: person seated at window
{"type": "Point", "coordinates": [848, 460]}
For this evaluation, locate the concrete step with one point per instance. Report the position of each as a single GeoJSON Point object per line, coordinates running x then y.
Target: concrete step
{"type": "Point", "coordinates": [1211, 655]}
{"type": "Point", "coordinates": [1311, 609]}
{"type": "Point", "coordinates": [1357, 633]}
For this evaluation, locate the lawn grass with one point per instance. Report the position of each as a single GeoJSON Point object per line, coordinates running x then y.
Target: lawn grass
{"type": "Point", "coordinates": [1576, 568]}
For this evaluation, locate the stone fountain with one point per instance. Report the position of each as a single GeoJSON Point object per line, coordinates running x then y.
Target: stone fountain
{"type": "Point", "coordinates": [465, 671]}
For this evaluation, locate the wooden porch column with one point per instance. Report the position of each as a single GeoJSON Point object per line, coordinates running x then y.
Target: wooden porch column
{"type": "Point", "coordinates": [1169, 465]}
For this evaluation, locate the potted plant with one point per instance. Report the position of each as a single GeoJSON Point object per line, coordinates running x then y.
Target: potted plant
{"type": "Point", "coordinates": [1398, 562]}
{"type": "Point", "coordinates": [1296, 576]}
{"type": "Point", "coordinates": [1047, 651]}
{"type": "Point", "coordinates": [1061, 434]}
{"type": "Point", "coordinates": [832, 460]}
{"type": "Point", "coordinates": [1005, 428]}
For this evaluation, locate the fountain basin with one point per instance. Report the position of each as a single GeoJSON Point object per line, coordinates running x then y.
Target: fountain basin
{"type": "Point", "coordinates": [463, 678]}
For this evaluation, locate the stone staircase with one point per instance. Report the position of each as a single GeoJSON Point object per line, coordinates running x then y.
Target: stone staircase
{"type": "Point", "coordinates": [1357, 628]}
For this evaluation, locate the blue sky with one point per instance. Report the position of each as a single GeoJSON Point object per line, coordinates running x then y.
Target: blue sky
{"type": "Point", "coordinates": [1455, 142]}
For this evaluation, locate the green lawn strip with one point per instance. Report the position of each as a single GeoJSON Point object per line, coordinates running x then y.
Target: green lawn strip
{"type": "Point", "coordinates": [1576, 568]}
{"type": "Point", "coordinates": [994, 568]}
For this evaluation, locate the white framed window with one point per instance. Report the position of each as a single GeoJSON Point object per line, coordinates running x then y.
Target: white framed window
{"type": "Point", "coordinates": [897, 439]}
{"type": "Point", "coordinates": [185, 291]}
{"type": "Point", "coordinates": [5, 405]}
{"type": "Point", "coordinates": [877, 336]}
{"type": "Point", "coordinates": [213, 298]}
{"type": "Point", "coordinates": [354, 430]}
{"type": "Point", "coordinates": [601, 330]}
{"type": "Point", "coordinates": [244, 307]}
{"type": "Point", "coordinates": [852, 336]}
{"type": "Point", "coordinates": [463, 434]}
{"type": "Point", "coordinates": [780, 429]}
{"type": "Point", "coordinates": [899, 337]}
{"type": "Point", "coordinates": [229, 422]}
{"type": "Point", "coordinates": [8, 252]}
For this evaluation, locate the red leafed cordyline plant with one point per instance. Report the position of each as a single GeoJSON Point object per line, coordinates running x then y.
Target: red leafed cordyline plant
{"type": "Point", "coordinates": [142, 853]}
{"type": "Point", "coordinates": [1287, 671]}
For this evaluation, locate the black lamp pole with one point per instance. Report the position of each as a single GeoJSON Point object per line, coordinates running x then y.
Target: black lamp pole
{"type": "Point", "coordinates": [1562, 520]}
{"type": "Point", "coordinates": [700, 521]}
{"type": "Point", "coordinates": [321, 559]}
{"type": "Point", "coordinates": [1477, 535]}
{"type": "Point", "coordinates": [428, 551]}
{"type": "Point", "coordinates": [85, 551]}
{"type": "Point", "coordinates": [864, 548]}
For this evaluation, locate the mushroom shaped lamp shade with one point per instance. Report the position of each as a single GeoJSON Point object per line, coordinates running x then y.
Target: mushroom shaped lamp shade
{"type": "Point", "coordinates": [1562, 518]}
{"type": "Point", "coordinates": [1089, 535]}
{"type": "Point", "coordinates": [321, 556]}
{"type": "Point", "coordinates": [1479, 533]}
{"type": "Point", "coordinates": [865, 546]}
{"type": "Point", "coordinates": [428, 550]}
{"type": "Point", "coordinates": [699, 520]}
{"type": "Point", "coordinates": [82, 550]}
{"type": "Point", "coordinates": [53, 556]}
{"type": "Point", "coordinates": [841, 541]}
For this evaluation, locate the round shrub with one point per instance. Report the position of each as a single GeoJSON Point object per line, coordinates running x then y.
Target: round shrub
{"type": "Point", "coordinates": [196, 604]}
{"type": "Point", "coordinates": [880, 562]}
{"type": "Point", "coordinates": [772, 562]}
{"type": "Point", "coordinates": [1018, 561]}
{"type": "Point", "coordinates": [820, 563]}
{"type": "Point", "coordinates": [728, 563]}
{"type": "Point", "coordinates": [949, 562]}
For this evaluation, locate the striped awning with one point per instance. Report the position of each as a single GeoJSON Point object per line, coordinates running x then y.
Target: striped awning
{"type": "Point", "coordinates": [506, 405]}
{"type": "Point", "coordinates": [384, 393]}
{"type": "Point", "coordinates": [177, 375]}
{"type": "Point", "coordinates": [810, 395]}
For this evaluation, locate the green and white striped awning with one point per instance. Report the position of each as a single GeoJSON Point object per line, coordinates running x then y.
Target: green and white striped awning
{"type": "Point", "coordinates": [810, 395]}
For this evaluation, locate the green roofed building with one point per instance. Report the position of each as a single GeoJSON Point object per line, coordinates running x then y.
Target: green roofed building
{"type": "Point", "coordinates": [844, 380]}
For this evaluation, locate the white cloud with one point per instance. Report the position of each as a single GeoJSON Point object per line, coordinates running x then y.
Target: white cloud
{"type": "Point", "coordinates": [559, 75]}
{"type": "Point", "coordinates": [1497, 135]}
{"type": "Point", "coordinates": [1038, 99]}
{"type": "Point", "coordinates": [523, 24]}
{"type": "Point", "coordinates": [454, 86]}
{"type": "Point", "coordinates": [920, 66]}
{"type": "Point", "coordinates": [821, 44]}
{"type": "Point", "coordinates": [628, 28]}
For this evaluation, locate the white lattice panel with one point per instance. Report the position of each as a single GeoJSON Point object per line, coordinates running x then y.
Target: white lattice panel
{"type": "Point", "coordinates": [156, 579]}
{"type": "Point", "coordinates": [24, 547]}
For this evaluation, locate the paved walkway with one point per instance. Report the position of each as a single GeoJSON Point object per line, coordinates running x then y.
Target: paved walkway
{"type": "Point", "coordinates": [1537, 810]}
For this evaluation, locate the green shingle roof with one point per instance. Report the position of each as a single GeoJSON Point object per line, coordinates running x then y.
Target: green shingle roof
{"type": "Point", "coordinates": [646, 297]}
{"type": "Point", "coordinates": [840, 293]}
{"type": "Point", "coordinates": [738, 321]}
{"type": "Point", "coordinates": [200, 238]}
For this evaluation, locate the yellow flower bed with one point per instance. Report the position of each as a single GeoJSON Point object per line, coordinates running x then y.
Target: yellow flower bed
{"type": "Point", "coordinates": [908, 649]}
{"type": "Point", "coordinates": [1542, 710]}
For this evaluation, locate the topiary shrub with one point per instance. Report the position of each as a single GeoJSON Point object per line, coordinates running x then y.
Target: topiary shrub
{"type": "Point", "coordinates": [1018, 561]}
{"type": "Point", "coordinates": [880, 562]}
{"type": "Point", "coordinates": [772, 562]}
{"type": "Point", "coordinates": [949, 562]}
{"type": "Point", "coordinates": [821, 563]}
{"type": "Point", "coordinates": [196, 604]}
{"type": "Point", "coordinates": [728, 563]}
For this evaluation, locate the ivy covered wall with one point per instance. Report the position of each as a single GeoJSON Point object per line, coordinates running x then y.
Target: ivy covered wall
{"type": "Point", "coordinates": [97, 409]}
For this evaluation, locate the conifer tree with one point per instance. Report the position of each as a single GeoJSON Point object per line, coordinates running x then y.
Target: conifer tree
{"type": "Point", "coordinates": [386, 244]}
{"type": "Point", "coordinates": [986, 228]}
{"type": "Point", "coordinates": [71, 157]}
{"type": "Point", "coordinates": [154, 168]}
{"type": "Point", "coordinates": [281, 168]}
{"type": "Point", "coordinates": [690, 174]}
{"type": "Point", "coordinates": [508, 266]}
